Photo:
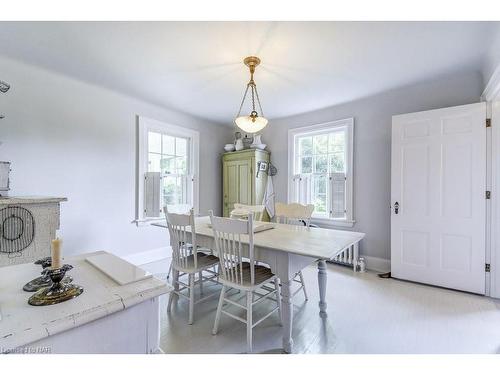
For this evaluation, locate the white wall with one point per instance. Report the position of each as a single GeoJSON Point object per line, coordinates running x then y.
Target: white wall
{"type": "Point", "coordinates": [68, 138]}
{"type": "Point", "coordinates": [372, 145]}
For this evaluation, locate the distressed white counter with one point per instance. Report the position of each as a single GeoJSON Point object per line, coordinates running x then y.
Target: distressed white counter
{"type": "Point", "coordinates": [106, 318]}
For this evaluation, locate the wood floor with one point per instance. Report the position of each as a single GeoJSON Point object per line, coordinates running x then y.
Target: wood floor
{"type": "Point", "coordinates": [366, 314]}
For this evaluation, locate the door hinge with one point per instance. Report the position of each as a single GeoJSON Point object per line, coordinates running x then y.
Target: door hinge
{"type": "Point", "coordinates": [488, 123]}
{"type": "Point", "coordinates": [487, 267]}
{"type": "Point", "coordinates": [488, 194]}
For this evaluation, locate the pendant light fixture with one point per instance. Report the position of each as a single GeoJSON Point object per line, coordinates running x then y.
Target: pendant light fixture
{"type": "Point", "coordinates": [252, 123]}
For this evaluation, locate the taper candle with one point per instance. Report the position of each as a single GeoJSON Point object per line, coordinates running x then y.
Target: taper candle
{"type": "Point", "coordinates": [56, 253]}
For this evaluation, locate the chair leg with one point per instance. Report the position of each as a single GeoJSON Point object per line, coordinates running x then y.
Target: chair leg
{"type": "Point", "coordinates": [278, 298]}
{"type": "Point", "coordinates": [191, 298]}
{"type": "Point", "coordinates": [219, 310]}
{"type": "Point", "coordinates": [303, 285]}
{"type": "Point", "coordinates": [249, 321]}
{"type": "Point", "coordinates": [169, 270]}
{"type": "Point", "coordinates": [175, 284]}
{"type": "Point", "coordinates": [200, 276]}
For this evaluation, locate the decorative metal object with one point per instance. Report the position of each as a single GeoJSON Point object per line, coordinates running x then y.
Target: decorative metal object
{"type": "Point", "coordinates": [252, 123]}
{"type": "Point", "coordinates": [4, 87]}
{"type": "Point", "coordinates": [266, 167]}
{"type": "Point", "coordinates": [44, 280]}
{"type": "Point", "coordinates": [17, 229]}
{"type": "Point", "coordinates": [59, 291]}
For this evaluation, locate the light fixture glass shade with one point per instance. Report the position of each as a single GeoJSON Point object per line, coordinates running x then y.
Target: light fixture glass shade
{"type": "Point", "coordinates": [247, 124]}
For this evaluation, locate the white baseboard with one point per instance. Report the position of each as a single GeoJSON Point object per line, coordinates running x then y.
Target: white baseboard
{"type": "Point", "coordinates": [148, 256]}
{"type": "Point", "coordinates": [377, 264]}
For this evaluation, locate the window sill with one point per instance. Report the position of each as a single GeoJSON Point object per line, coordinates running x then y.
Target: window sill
{"type": "Point", "coordinates": [147, 222]}
{"type": "Point", "coordinates": [332, 223]}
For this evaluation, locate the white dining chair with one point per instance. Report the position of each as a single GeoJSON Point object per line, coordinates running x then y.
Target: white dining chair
{"type": "Point", "coordinates": [188, 259]}
{"type": "Point", "coordinates": [295, 214]}
{"type": "Point", "coordinates": [244, 209]}
{"type": "Point", "coordinates": [238, 270]}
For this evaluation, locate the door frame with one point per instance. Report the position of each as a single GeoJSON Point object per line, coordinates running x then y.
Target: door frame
{"type": "Point", "coordinates": [492, 205]}
{"type": "Point", "coordinates": [491, 96]}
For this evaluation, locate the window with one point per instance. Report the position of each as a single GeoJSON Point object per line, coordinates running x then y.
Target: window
{"type": "Point", "coordinates": [320, 170]}
{"type": "Point", "coordinates": [168, 167]}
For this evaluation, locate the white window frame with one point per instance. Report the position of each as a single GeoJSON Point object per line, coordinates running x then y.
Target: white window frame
{"type": "Point", "coordinates": [145, 125]}
{"type": "Point", "coordinates": [348, 124]}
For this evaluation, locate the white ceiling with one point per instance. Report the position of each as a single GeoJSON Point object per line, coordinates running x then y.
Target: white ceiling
{"type": "Point", "coordinates": [196, 67]}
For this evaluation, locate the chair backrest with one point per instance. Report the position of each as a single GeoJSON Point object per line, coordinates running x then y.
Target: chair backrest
{"type": "Point", "coordinates": [257, 211]}
{"type": "Point", "coordinates": [228, 234]}
{"type": "Point", "coordinates": [178, 225]}
{"type": "Point", "coordinates": [293, 213]}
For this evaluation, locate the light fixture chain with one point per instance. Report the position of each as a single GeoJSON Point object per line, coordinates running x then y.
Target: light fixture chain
{"type": "Point", "coordinates": [253, 97]}
{"type": "Point", "coordinates": [242, 102]}
{"type": "Point", "coordinates": [258, 101]}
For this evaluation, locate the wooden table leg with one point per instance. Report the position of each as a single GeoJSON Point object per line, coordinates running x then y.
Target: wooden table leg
{"type": "Point", "coordinates": [287, 311]}
{"type": "Point", "coordinates": [322, 287]}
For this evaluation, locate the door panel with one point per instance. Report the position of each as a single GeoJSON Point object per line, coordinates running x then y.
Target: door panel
{"type": "Point", "coordinates": [439, 182]}
{"type": "Point", "coordinates": [245, 188]}
{"type": "Point", "coordinates": [237, 184]}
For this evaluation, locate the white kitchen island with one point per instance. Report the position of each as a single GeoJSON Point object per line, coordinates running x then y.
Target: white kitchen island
{"type": "Point", "coordinates": [106, 318]}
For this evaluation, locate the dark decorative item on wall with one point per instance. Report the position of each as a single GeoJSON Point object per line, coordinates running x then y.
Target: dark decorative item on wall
{"type": "Point", "coordinates": [17, 230]}
{"type": "Point", "coordinates": [59, 291]}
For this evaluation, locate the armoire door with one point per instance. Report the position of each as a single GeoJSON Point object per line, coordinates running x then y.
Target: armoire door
{"type": "Point", "coordinates": [237, 184]}
{"type": "Point", "coordinates": [438, 220]}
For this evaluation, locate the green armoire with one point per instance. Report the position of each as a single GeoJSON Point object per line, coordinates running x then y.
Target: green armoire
{"type": "Point", "coordinates": [240, 181]}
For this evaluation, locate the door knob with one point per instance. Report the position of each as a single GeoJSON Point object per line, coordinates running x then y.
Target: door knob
{"type": "Point", "coordinates": [396, 208]}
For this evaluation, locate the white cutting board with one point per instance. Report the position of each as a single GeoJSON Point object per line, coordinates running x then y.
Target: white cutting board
{"type": "Point", "coordinates": [118, 269]}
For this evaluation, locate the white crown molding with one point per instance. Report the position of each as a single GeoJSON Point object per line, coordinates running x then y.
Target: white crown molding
{"type": "Point", "coordinates": [492, 90]}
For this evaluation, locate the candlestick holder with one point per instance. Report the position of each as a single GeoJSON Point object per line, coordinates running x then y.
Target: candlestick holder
{"type": "Point", "coordinates": [59, 291]}
{"type": "Point", "coordinates": [44, 280]}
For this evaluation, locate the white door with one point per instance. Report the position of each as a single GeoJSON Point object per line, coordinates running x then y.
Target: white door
{"type": "Point", "coordinates": [438, 220]}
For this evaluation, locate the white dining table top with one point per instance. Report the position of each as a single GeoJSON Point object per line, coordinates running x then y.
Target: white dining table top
{"type": "Point", "coordinates": [318, 243]}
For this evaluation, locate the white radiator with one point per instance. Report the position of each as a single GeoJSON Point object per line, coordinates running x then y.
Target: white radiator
{"type": "Point", "coordinates": [348, 257]}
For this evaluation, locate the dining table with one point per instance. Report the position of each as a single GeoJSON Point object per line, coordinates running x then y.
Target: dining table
{"type": "Point", "coordinates": [288, 249]}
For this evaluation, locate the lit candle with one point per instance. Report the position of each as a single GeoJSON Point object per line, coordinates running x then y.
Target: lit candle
{"type": "Point", "coordinates": [56, 253]}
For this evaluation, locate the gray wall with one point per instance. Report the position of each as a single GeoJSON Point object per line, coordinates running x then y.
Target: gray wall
{"type": "Point", "coordinates": [72, 139]}
{"type": "Point", "coordinates": [372, 145]}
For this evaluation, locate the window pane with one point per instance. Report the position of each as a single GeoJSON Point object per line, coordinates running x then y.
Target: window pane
{"type": "Point", "coordinates": [337, 163]}
{"type": "Point", "coordinates": [305, 146]}
{"type": "Point", "coordinates": [180, 165]}
{"type": "Point", "coordinates": [154, 161]}
{"type": "Point", "coordinates": [319, 200]}
{"type": "Point", "coordinates": [320, 144]}
{"type": "Point", "coordinates": [180, 146]}
{"type": "Point", "coordinates": [336, 142]}
{"type": "Point", "coordinates": [168, 145]}
{"type": "Point", "coordinates": [154, 142]}
{"type": "Point", "coordinates": [321, 164]}
{"type": "Point", "coordinates": [320, 203]}
{"type": "Point", "coordinates": [320, 184]}
{"type": "Point", "coordinates": [168, 165]}
{"type": "Point", "coordinates": [171, 190]}
{"type": "Point", "coordinates": [306, 164]}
